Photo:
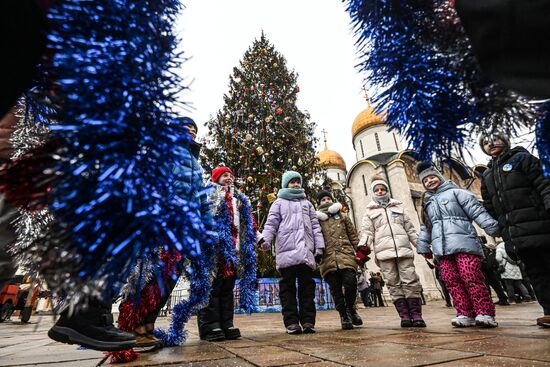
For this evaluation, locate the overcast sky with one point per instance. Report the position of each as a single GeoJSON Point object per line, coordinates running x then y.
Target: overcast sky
{"type": "Point", "coordinates": [313, 35]}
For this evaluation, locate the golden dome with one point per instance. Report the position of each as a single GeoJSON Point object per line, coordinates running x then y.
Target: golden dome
{"type": "Point", "coordinates": [329, 158]}
{"type": "Point", "coordinates": [367, 118]}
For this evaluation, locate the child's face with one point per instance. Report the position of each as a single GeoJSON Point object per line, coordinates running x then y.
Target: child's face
{"type": "Point", "coordinates": [431, 182]}
{"type": "Point", "coordinates": [226, 179]}
{"type": "Point", "coordinates": [494, 146]}
{"type": "Point", "coordinates": [295, 183]}
{"type": "Point", "coordinates": [325, 200]}
{"type": "Point", "coordinates": [380, 190]}
{"type": "Point", "coordinates": [192, 131]}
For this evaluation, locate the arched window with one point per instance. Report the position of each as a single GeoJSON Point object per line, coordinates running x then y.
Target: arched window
{"type": "Point", "coordinates": [377, 141]}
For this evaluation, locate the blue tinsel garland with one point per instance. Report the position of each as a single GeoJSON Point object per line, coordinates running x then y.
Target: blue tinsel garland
{"type": "Point", "coordinates": [414, 81]}
{"type": "Point", "coordinates": [246, 262]}
{"type": "Point", "coordinates": [247, 287]}
{"type": "Point", "coordinates": [111, 62]}
{"type": "Point", "coordinates": [419, 62]}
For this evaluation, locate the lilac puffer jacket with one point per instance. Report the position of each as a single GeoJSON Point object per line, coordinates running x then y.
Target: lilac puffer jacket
{"type": "Point", "coordinates": [299, 236]}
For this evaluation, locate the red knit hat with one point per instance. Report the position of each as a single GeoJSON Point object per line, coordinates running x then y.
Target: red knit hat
{"type": "Point", "coordinates": [217, 172]}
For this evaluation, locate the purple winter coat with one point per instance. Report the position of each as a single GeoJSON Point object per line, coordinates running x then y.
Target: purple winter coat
{"type": "Point", "coordinates": [299, 236]}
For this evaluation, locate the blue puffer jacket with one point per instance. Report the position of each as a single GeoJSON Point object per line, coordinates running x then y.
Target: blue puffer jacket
{"type": "Point", "coordinates": [188, 180]}
{"type": "Point", "coordinates": [449, 213]}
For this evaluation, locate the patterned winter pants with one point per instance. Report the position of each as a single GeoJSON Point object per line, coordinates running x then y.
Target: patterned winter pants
{"type": "Point", "coordinates": [463, 277]}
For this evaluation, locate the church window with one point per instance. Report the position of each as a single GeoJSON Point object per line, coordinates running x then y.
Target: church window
{"type": "Point", "coordinates": [365, 185]}
{"type": "Point", "coordinates": [395, 141]}
{"type": "Point", "coordinates": [377, 141]}
{"type": "Point", "coordinates": [362, 151]}
{"type": "Point", "coordinates": [338, 173]}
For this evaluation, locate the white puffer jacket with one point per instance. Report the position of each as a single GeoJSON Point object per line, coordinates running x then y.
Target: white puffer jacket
{"type": "Point", "coordinates": [511, 271]}
{"type": "Point", "coordinates": [388, 231]}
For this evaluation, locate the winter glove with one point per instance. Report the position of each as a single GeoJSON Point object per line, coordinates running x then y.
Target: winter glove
{"type": "Point", "coordinates": [264, 246]}
{"type": "Point", "coordinates": [428, 255]}
{"type": "Point", "coordinates": [318, 258]}
{"type": "Point", "coordinates": [362, 255]}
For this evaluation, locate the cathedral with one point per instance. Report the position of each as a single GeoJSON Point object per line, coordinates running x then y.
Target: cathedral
{"type": "Point", "coordinates": [379, 152]}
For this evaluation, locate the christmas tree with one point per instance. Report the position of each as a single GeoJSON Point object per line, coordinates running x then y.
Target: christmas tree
{"type": "Point", "coordinates": [261, 133]}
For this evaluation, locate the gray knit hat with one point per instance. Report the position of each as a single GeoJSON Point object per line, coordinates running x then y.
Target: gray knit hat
{"type": "Point", "coordinates": [425, 169]}
{"type": "Point", "coordinates": [496, 134]}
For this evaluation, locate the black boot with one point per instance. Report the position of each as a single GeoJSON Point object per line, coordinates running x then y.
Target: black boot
{"type": "Point", "coordinates": [355, 318]}
{"type": "Point", "coordinates": [232, 333]}
{"type": "Point", "coordinates": [345, 318]}
{"type": "Point", "coordinates": [92, 328]}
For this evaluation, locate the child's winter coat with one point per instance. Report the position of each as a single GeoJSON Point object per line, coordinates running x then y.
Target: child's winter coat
{"type": "Point", "coordinates": [449, 213]}
{"type": "Point", "coordinates": [340, 239]}
{"type": "Point", "coordinates": [388, 231]}
{"type": "Point", "coordinates": [299, 236]}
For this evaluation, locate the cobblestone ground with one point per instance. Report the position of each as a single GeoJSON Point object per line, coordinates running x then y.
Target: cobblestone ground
{"type": "Point", "coordinates": [516, 342]}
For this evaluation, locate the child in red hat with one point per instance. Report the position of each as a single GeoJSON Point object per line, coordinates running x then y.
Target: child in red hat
{"type": "Point", "coordinates": [237, 237]}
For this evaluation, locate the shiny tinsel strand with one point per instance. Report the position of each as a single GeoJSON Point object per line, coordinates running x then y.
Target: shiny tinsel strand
{"type": "Point", "coordinates": [420, 64]}
{"type": "Point", "coordinates": [108, 170]}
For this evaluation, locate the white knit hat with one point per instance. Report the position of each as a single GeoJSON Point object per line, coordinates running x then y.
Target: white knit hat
{"type": "Point", "coordinates": [378, 180]}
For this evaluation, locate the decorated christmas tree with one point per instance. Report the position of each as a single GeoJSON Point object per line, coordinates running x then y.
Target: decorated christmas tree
{"type": "Point", "coordinates": [261, 133]}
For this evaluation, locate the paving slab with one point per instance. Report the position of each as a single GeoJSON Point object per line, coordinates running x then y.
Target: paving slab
{"type": "Point", "coordinates": [507, 346]}
{"type": "Point", "coordinates": [266, 356]}
{"type": "Point", "coordinates": [199, 352]}
{"type": "Point", "coordinates": [494, 361]}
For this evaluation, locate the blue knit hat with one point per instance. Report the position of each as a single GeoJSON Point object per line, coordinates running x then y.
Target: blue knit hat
{"type": "Point", "coordinates": [288, 176]}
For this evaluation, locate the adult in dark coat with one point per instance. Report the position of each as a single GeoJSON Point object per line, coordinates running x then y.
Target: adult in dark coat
{"type": "Point", "coordinates": [515, 191]}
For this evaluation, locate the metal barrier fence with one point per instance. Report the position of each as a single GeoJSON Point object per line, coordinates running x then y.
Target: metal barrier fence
{"type": "Point", "coordinates": [267, 296]}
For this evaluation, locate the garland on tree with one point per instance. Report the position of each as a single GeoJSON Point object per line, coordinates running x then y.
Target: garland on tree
{"type": "Point", "coordinates": [419, 62]}
{"type": "Point", "coordinates": [227, 240]}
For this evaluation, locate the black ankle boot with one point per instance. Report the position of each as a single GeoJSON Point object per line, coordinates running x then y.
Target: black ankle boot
{"type": "Point", "coordinates": [92, 328]}
{"type": "Point", "coordinates": [345, 318]}
{"type": "Point", "coordinates": [355, 318]}
{"type": "Point", "coordinates": [232, 333]}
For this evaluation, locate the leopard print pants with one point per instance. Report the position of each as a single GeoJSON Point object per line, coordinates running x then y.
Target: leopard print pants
{"type": "Point", "coordinates": [463, 277]}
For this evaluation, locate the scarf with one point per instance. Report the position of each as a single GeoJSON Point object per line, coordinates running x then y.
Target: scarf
{"type": "Point", "coordinates": [382, 200]}
{"type": "Point", "coordinates": [324, 208]}
{"type": "Point", "coordinates": [291, 194]}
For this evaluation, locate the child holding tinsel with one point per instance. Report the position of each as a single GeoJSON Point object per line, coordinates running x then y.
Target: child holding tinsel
{"type": "Point", "coordinates": [237, 238]}
{"type": "Point", "coordinates": [338, 266]}
{"type": "Point", "coordinates": [300, 245]}
{"type": "Point", "coordinates": [448, 233]}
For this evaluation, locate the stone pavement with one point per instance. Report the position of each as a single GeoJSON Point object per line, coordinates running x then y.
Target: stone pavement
{"type": "Point", "coordinates": [381, 342]}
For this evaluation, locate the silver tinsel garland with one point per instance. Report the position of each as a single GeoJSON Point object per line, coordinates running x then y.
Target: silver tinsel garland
{"type": "Point", "coordinates": [30, 226]}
